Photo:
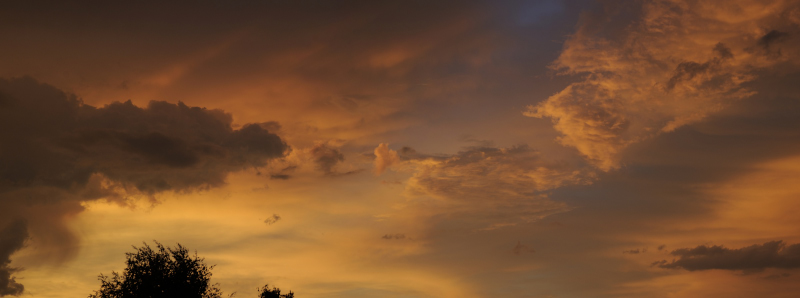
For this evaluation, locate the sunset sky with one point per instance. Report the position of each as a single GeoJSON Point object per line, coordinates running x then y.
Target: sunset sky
{"type": "Point", "coordinates": [540, 148]}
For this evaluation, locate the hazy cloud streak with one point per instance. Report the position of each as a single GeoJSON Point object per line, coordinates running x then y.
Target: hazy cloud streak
{"type": "Point", "coordinates": [773, 254]}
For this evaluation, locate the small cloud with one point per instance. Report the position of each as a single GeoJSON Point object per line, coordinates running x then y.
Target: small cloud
{"type": "Point", "coordinates": [326, 158]}
{"type": "Point", "coordinates": [396, 182]}
{"type": "Point", "coordinates": [632, 251]}
{"type": "Point", "coordinates": [777, 276]}
{"type": "Point", "coordinates": [475, 141]}
{"type": "Point", "coordinates": [757, 257]}
{"type": "Point", "coordinates": [521, 249]}
{"type": "Point", "coordinates": [262, 188]}
{"type": "Point", "coordinates": [770, 38]}
{"type": "Point", "coordinates": [356, 171]}
{"type": "Point", "coordinates": [661, 247]}
{"type": "Point", "coordinates": [273, 219]}
{"type": "Point", "coordinates": [283, 174]}
{"type": "Point", "coordinates": [658, 263]}
{"type": "Point", "coordinates": [385, 158]}
{"type": "Point", "coordinates": [496, 226]}
{"type": "Point", "coordinates": [279, 177]}
{"type": "Point", "coordinates": [394, 236]}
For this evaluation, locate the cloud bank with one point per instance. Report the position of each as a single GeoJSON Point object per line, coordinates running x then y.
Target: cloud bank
{"type": "Point", "coordinates": [57, 152]}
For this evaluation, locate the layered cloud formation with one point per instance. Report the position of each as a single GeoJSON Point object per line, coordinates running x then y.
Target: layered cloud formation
{"type": "Point", "coordinates": [58, 152]}
{"type": "Point", "coordinates": [678, 63]}
{"type": "Point", "coordinates": [496, 186]}
{"type": "Point", "coordinates": [773, 254]}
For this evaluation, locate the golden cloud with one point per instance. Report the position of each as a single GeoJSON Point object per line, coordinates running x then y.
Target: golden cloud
{"type": "Point", "coordinates": [679, 62]}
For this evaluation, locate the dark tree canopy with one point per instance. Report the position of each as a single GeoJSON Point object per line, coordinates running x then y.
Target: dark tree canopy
{"type": "Point", "coordinates": [266, 292]}
{"type": "Point", "coordinates": [161, 272]}
{"type": "Point", "coordinates": [166, 272]}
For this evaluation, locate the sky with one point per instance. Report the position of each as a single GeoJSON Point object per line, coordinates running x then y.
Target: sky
{"type": "Point", "coordinates": [540, 148]}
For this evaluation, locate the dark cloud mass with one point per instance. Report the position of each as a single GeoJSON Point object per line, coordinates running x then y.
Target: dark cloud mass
{"type": "Point", "coordinates": [12, 238]}
{"type": "Point", "coordinates": [773, 254]}
{"type": "Point", "coordinates": [57, 151]}
{"type": "Point", "coordinates": [770, 38]}
{"type": "Point", "coordinates": [55, 140]}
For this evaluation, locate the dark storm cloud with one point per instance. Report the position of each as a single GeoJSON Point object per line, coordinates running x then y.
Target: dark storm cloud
{"type": "Point", "coordinates": [12, 238]}
{"type": "Point", "coordinates": [773, 254]}
{"type": "Point", "coordinates": [52, 139]}
{"type": "Point", "coordinates": [57, 151]}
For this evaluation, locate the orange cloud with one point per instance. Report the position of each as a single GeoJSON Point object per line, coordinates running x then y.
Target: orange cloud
{"type": "Point", "coordinates": [494, 187]}
{"type": "Point", "coordinates": [678, 63]}
{"type": "Point", "coordinates": [384, 158]}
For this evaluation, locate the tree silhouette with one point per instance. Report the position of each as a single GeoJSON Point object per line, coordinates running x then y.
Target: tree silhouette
{"type": "Point", "coordinates": [166, 273]}
{"type": "Point", "coordinates": [266, 292]}
{"type": "Point", "coordinates": [163, 272]}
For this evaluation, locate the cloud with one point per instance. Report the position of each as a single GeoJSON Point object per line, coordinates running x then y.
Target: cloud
{"type": "Point", "coordinates": [676, 63]}
{"type": "Point", "coordinates": [273, 219]}
{"type": "Point", "coordinates": [326, 158]}
{"type": "Point", "coordinates": [54, 140]}
{"type": "Point", "coordinates": [58, 151]}
{"type": "Point", "coordinates": [481, 172]}
{"type": "Point", "coordinates": [773, 254]}
{"type": "Point", "coordinates": [384, 158]}
{"type": "Point", "coordinates": [494, 187]}
{"type": "Point", "coordinates": [394, 236]}
{"type": "Point", "coordinates": [12, 238]}
{"type": "Point", "coordinates": [522, 248]}
{"type": "Point", "coordinates": [635, 251]}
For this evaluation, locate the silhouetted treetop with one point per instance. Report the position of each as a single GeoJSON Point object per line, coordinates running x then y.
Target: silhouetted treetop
{"type": "Point", "coordinates": [266, 292]}
{"type": "Point", "coordinates": [163, 272]}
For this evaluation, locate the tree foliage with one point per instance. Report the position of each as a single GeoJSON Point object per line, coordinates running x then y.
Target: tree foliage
{"type": "Point", "coordinates": [163, 272]}
{"type": "Point", "coordinates": [266, 292]}
{"type": "Point", "coordinates": [166, 272]}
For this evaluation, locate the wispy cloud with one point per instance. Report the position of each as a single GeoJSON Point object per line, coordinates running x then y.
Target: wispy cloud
{"type": "Point", "coordinates": [679, 62]}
